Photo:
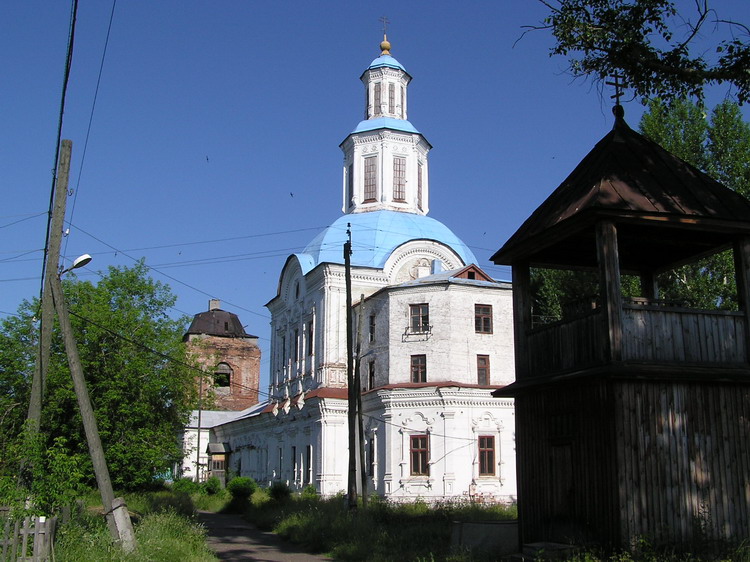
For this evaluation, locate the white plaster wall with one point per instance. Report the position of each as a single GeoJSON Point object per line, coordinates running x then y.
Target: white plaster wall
{"type": "Point", "coordinates": [452, 345]}
{"type": "Point", "coordinates": [454, 418]}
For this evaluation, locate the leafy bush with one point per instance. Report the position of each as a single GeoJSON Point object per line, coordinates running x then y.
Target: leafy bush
{"type": "Point", "coordinates": [211, 486]}
{"type": "Point", "coordinates": [186, 485]}
{"type": "Point", "coordinates": [309, 492]}
{"type": "Point", "coordinates": [279, 491]}
{"type": "Point", "coordinates": [242, 487]}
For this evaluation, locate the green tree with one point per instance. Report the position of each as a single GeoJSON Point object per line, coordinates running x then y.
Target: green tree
{"type": "Point", "coordinates": [135, 365]}
{"type": "Point", "coordinates": [718, 144]}
{"type": "Point", "coordinates": [658, 51]}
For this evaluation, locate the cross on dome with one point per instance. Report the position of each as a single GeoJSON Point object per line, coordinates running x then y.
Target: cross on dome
{"type": "Point", "coordinates": [385, 45]}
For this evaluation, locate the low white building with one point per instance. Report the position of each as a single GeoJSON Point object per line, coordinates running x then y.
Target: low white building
{"type": "Point", "coordinates": [436, 336]}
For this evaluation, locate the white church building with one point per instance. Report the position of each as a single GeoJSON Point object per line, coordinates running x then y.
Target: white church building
{"type": "Point", "coordinates": [436, 337]}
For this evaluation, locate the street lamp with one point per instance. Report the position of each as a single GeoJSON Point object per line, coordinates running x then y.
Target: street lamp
{"type": "Point", "coordinates": [116, 513]}
{"type": "Point", "coordinates": [80, 261]}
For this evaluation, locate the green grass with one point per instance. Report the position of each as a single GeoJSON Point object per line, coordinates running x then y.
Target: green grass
{"type": "Point", "coordinates": [163, 536]}
{"type": "Point", "coordinates": [164, 525]}
{"type": "Point", "coordinates": [384, 531]}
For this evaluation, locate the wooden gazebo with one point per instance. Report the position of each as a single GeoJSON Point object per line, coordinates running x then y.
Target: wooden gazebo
{"type": "Point", "coordinates": [633, 416]}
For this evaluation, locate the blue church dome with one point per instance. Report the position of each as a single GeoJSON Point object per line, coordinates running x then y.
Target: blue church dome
{"type": "Point", "coordinates": [385, 123]}
{"type": "Point", "coordinates": [375, 235]}
{"type": "Point", "coordinates": [386, 60]}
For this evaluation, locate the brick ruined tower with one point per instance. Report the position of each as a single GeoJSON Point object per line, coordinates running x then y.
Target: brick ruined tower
{"type": "Point", "coordinates": [231, 355]}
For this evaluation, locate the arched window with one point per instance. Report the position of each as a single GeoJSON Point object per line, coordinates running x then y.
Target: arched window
{"type": "Point", "coordinates": [222, 375]}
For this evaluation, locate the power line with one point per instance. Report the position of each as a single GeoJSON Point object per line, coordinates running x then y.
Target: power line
{"type": "Point", "coordinates": [66, 78]}
{"type": "Point", "coordinates": [210, 295]}
{"type": "Point", "coordinates": [23, 219]}
{"type": "Point", "coordinates": [91, 118]}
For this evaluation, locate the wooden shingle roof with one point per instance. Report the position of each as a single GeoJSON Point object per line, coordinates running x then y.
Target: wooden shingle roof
{"type": "Point", "coordinates": [651, 194]}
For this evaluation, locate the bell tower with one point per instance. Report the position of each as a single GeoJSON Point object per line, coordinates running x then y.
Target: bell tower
{"type": "Point", "coordinates": [385, 157]}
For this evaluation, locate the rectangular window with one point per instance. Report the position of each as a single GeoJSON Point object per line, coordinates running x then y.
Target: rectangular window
{"type": "Point", "coordinates": [419, 452]}
{"type": "Point", "coordinates": [310, 334]}
{"type": "Point", "coordinates": [376, 109]}
{"type": "Point", "coordinates": [296, 345]}
{"type": "Point", "coordinates": [308, 464]}
{"type": "Point", "coordinates": [403, 103]}
{"type": "Point", "coordinates": [391, 98]}
{"type": "Point", "coordinates": [350, 184]}
{"type": "Point", "coordinates": [371, 457]}
{"type": "Point", "coordinates": [486, 455]}
{"type": "Point", "coordinates": [371, 331]}
{"type": "Point", "coordinates": [371, 375]}
{"type": "Point", "coordinates": [419, 186]}
{"type": "Point", "coordinates": [483, 318]}
{"type": "Point", "coordinates": [371, 178]}
{"type": "Point", "coordinates": [399, 179]}
{"type": "Point", "coordinates": [418, 368]}
{"type": "Point", "coordinates": [483, 369]}
{"type": "Point", "coordinates": [419, 318]}
{"type": "Point", "coordinates": [281, 459]}
{"type": "Point", "coordinates": [294, 464]}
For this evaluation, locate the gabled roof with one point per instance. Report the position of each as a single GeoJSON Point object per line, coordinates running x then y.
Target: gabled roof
{"type": "Point", "coordinates": [632, 180]}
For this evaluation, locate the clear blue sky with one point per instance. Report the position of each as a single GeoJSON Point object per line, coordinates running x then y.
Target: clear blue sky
{"type": "Point", "coordinates": [209, 114]}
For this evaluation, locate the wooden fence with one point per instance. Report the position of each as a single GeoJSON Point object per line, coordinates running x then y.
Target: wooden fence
{"type": "Point", "coordinates": [28, 539]}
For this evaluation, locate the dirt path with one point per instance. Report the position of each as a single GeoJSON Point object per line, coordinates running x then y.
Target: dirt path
{"type": "Point", "coordinates": [232, 538]}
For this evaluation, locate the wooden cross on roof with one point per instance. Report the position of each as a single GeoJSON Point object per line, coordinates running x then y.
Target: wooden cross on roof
{"type": "Point", "coordinates": [619, 86]}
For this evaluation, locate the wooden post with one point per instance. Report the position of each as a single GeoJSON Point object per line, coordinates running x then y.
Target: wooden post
{"type": "Point", "coordinates": [649, 286]}
{"type": "Point", "coordinates": [352, 400]}
{"type": "Point", "coordinates": [54, 238]}
{"type": "Point", "coordinates": [521, 317]}
{"type": "Point", "coordinates": [742, 277]}
{"type": "Point", "coordinates": [609, 282]}
{"type": "Point", "coordinates": [122, 534]}
{"type": "Point", "coordinates": [358, 392]}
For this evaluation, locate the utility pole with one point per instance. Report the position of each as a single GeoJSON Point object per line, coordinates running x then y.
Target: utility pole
{"type": "Point", "coordinates": [118, 519]}
{"type": "Point", "coordinates": [358, 394]}
{"type": "Point", "coordinates": [54, 240]}
{"type": "Point", "coordinates": [115, 510]}
{"type": "Point", "coordinates": [352, 402]}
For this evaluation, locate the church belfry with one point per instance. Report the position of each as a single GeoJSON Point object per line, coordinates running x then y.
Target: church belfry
{"type": "Point", "coordinates": [385, 157]}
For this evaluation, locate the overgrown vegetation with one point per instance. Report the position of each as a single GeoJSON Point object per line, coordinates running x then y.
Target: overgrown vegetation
{"type": "Point", "coordinates": [384, 531]}
{"type": "Point", "coordinates": [162, 535]}
{"type": "Point", "coordinates": [141, 397]}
